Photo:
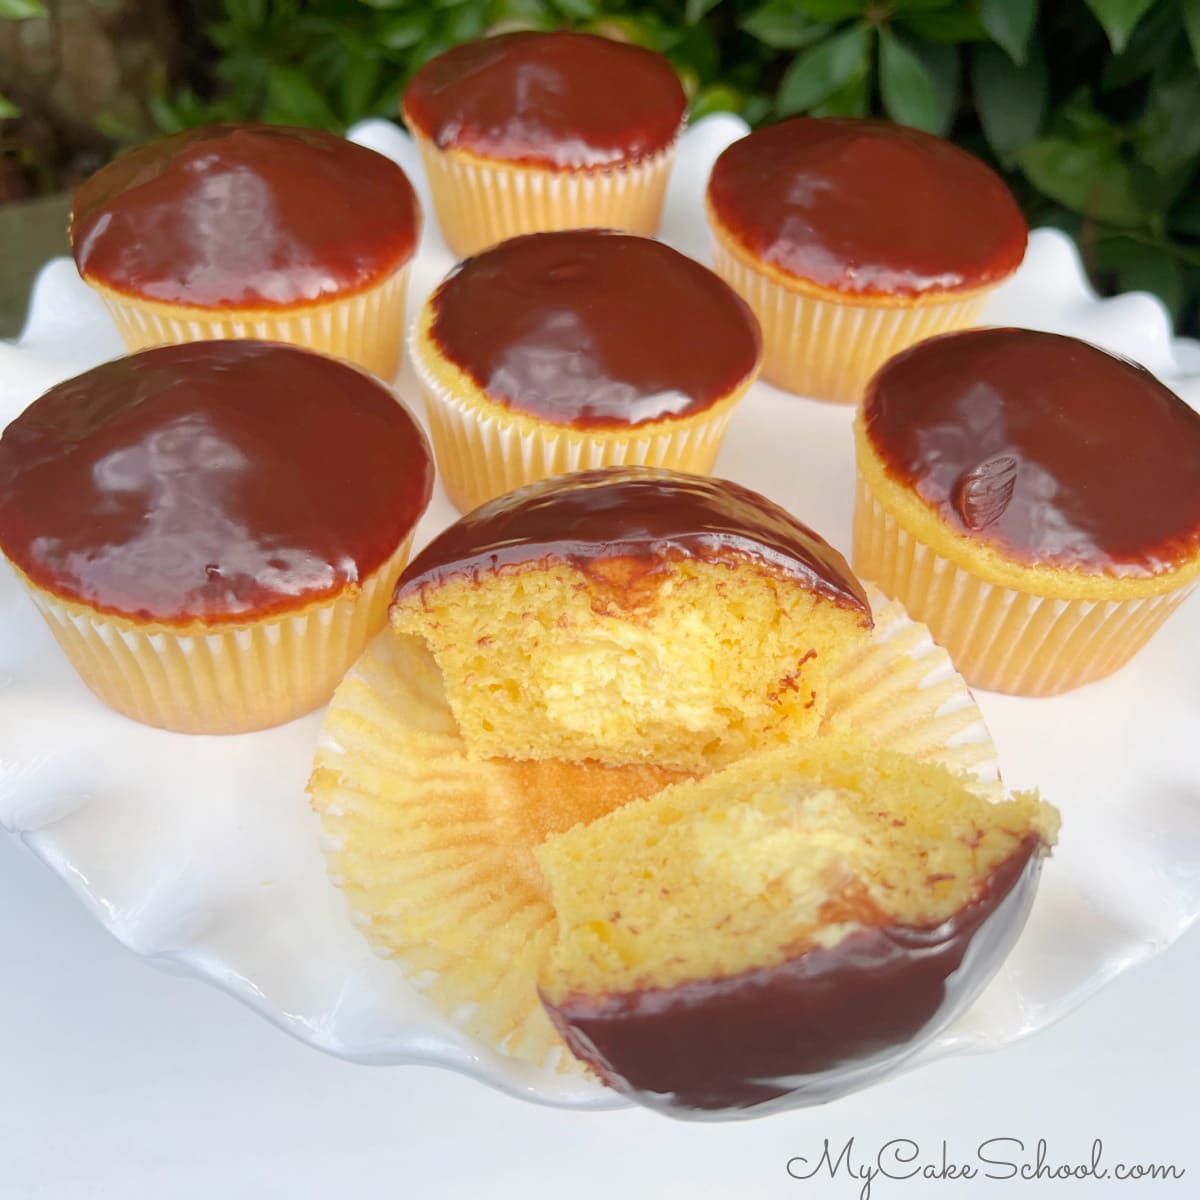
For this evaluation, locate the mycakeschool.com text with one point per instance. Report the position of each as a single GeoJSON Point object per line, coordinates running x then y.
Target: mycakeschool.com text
{"type": "Point", "coordinates": [870, 1169]}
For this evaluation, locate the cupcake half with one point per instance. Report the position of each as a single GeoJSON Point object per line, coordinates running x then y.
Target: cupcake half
{"type": "Point", "coordinates": [213, 531]}
{"type": "Point", "coordinates": [252, 231]}
{"type": "Point", "coordinates": [1032, 499]}
{"type": "Point", "coordinates": [537, 131]}
{"type": "Point", "coordinates": [633, 616]}
{"type": "Point", "coordinates": [785, 930]}
{"type": "Point", "coordinates": [852, 240]}
{"type": "Point", "coordinates": [566, 351]}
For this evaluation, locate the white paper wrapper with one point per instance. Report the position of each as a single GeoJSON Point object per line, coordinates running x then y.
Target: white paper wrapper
{"type": "Point", "coordinates": [366, 328]}
{"type": "Point", "coordinates": [480, 202]}
{"type": "Point", "coordinates": [828, 349]}
{"type": "Point", "coordinates": [1002, 639]}
{"type": "Point", "coordinates": [229, 678]}
{"type": "Point", "coordinates": [433, 850]}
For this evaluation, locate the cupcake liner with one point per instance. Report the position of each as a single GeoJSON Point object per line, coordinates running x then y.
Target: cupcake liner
{"type": "Point", "coordinates": [828, 349]}
{"type": "Point", "coordinates": [366, 328]}
{"type": "Point", "coordinates": [480, 202]}
{"type": "Point", "coordinates": [434, 851]}
{"type": "Point", "coordinates": [484, 453]}
{"type": "Point", "coordinates": [1000, 638]}
{"type": "Point", "coordinates": [228, 678]}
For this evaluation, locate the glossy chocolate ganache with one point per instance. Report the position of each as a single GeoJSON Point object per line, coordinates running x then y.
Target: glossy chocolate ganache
{"type": "Point", "coordinates": [595, 329]}
{"type": "Point", "coordinates": [867, 208]}
{"type": "Point", "coordinates": [1045, 447]}
{"type": "Point", "coordinates": [245, 217]}
{"type": "Point", "coordinates": [814, 1027]}
{"type": "Point", "coordinates": [561, 99]}
{"type": "Point", "coordinates": [636, 513]}
{"type": "Point", "coordinates": [211, 481]}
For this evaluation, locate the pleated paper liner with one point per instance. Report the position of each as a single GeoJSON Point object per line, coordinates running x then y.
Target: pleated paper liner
{"type": "Point", "coordinates": [434, 851]}
{"type": "Point", "coordinates": [366, 328]}
{"type": "Point", "coordinates": [481, 201]}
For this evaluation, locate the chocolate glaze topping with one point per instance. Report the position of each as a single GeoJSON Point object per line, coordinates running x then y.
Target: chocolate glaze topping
{"type": "Point", "coordinates": [810, 1029]}
{"type": "Point", "coordinates": [245, 216]}
{"type": "Point", "coordinates": [1045, 447]}
{"type": "Point", "coordinates": [637, 513]}
{"type": "Point", "coordinates": [592, 328]}
{"type": "Point", "coordinates": [213, 481]}
{"type": "Point", "coordinates": [867, 207]}
{"type": "Point", "coordinates": [552, 99]}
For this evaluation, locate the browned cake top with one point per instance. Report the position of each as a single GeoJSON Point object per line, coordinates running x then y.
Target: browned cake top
{"type": "Point", "coordinates": [1050, 449]}
{"type": "Point", "coordinates": [245, 217]}
{"type": "Point", "coordinates": [867, 207]}
{"type": "Point", "coordinates": [593, 329]}
{"type": "Point", "coordinates": [633, 513]}
{"type": "Point", "coordinates": [550, 99]}
{"type": "Point", "coordinates": [210, 481]}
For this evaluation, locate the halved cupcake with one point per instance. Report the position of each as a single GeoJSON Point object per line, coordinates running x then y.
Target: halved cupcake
{"type": "Point", "coordinates": [560, 352]}
{"type": "Point", "coordinates": [633, 616]}
{"type": "Point", "coordinates": [213, 531]}
{"type": "Point", "coordinates": [852, 240]}
{"type": "Point", "coordinates": [1032, 499]}
{"type": "Point", "coordinates": [536, 131]}
{"type": "Point", "coordinates": [252, 231]}
{"type": "Point", "coordinates": [784, 930]}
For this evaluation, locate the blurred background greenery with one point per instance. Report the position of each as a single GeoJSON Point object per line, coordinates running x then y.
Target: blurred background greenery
{"type": "Point", "coordinates": [1091, 108]}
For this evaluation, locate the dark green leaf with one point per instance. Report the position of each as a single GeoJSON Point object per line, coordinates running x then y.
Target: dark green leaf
{"type": "Point", "coordinates": [1010, 100]}
{"type": "Point", "coordinates": [1153, 40]}
{"type": "Point", "coordinates": [1118, 18]}
{"type": "Point", "coordinates": [1088, 177]}
{"type": "Point", "coordinates": [359, 83]}
{"type": "Point", "coordinates": [910, 91]}
{"type": "Point", "coordinates": [463, 24]}
{"type": "Point", "coordinates": [960, 24]}
{"type": "Point", "coordinates": [907, 6]}
{"type": "Point", "coordinates": [1009, 24]}
{"type": "Point", "coordinates": [830, 10]}
{"type": "Point", "coordinates": [247, 14]}
{"type": "Point", "coordinates": [852, 99]}
{"type": "Point", "coordinates": [21, 10]}
{"type": "Point", "coordinates": [1190, 11]}
{"type": "Point", "coordinates": [1140, 266]}
{"type": "Point", "coordinates": [781, 27]}
{"type": "Point", "coordinates": [695, 10]}
{"type": "Point", "coordinates": [579, 10]}
{"type": "Point", "coordinates": [1168, 134]}
{"type": "Point", "coordinates": [292, 98]}
{"type": "Point", "coordinates": [8, 109]}
{"type": "Point", "coordinates": [717, 98]}
{"type": "Point", "coordinates": [821, 69]}
{"type": "Point", "coordinates": [407, 29]}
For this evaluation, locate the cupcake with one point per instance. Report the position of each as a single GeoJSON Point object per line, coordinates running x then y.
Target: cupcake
{"type": "Point", "coordinates": [632, 615]}
{"type": "Point", "coordinates": [526, 132]}
{"type": "Point", "coordinates": [433, 849]}
{"type": "Point", "coordinates": [213, 531]}
{"type": "Point", "coordinates": [853, 240]}
{"type": "Point", "coordinates": [1032, 499]}
{"type": "Point", "coordinates": [252, 231]}
{"type": "Point", "coordinates": [559, 352]}
{"type": "Point", "coordinates": [784, 930]}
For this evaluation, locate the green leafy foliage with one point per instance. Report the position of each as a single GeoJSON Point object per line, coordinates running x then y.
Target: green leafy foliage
{"type": "Point", "coordinates": [1091, 108]}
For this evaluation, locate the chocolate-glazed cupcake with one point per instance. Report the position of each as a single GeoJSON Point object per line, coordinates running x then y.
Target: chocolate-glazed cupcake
{"type": "Point", "coordinates": [212, 531]}
{"type": "Point", "coordinates": [852, 240]}
{"type": "Point", "coordinates": [1032, 499]}
{"type": "Point", "coordinates": [785, 930]}
{"type": "Point", "coordinates": [252, 231]}
{"type": "Point", "coordinates": [568, 351]}
{"type": "Point", "coordinates": [536, 131]}
{"type": "Point", "coordinates": [632, 615]}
